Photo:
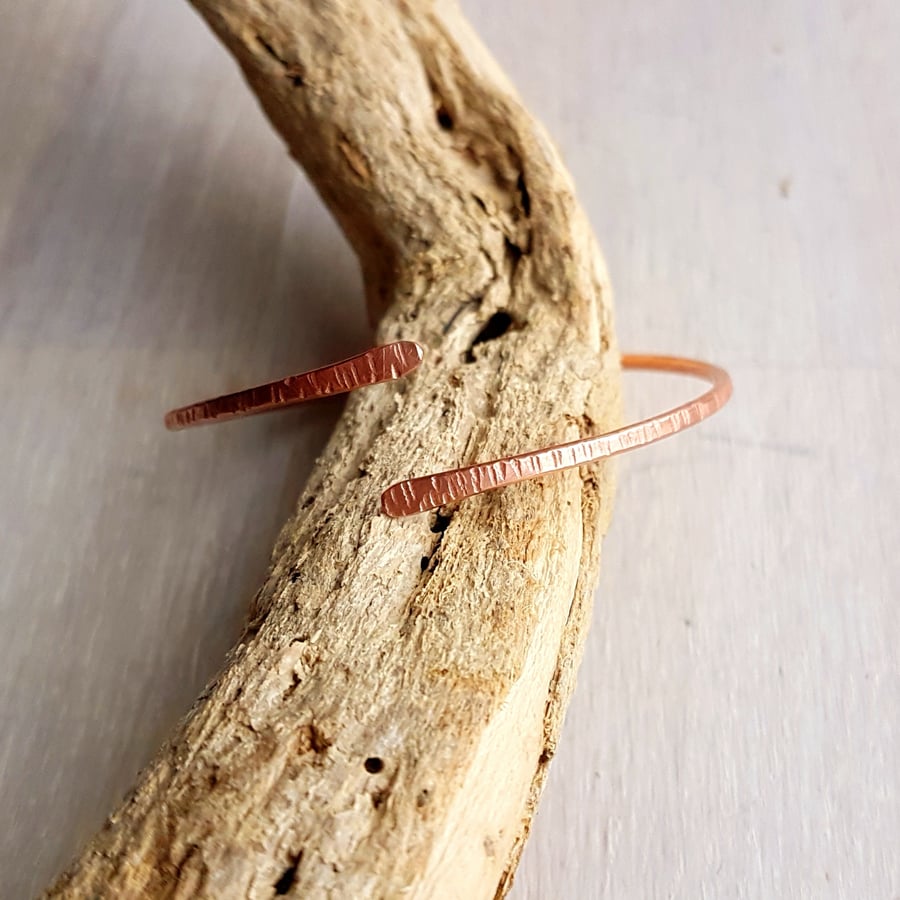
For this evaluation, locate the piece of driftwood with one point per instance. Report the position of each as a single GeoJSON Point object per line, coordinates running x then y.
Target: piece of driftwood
{"type": "Point", "coordinates": [383, 727]}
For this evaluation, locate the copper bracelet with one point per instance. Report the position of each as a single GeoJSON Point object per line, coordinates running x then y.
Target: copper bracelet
{"type": "Point", "coordinates": [375, 366]}
{"type": "Point", "coordinates": [415, 495]}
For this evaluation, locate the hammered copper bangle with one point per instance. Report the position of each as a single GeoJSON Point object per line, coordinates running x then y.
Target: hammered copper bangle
{"type": "Point", "coordinates": [379, 364]}
{"type": "Point", "coordinates": [416, 495]}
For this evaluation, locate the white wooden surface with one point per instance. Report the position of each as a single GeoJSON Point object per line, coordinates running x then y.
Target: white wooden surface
{"type": "Point", "coordinates": [735, 729]}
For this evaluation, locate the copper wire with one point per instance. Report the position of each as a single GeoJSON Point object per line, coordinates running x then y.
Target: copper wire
{"type": "Point", "coordinates": [379, 364]}
{"type": "Point", "coordinates": [415, 495]}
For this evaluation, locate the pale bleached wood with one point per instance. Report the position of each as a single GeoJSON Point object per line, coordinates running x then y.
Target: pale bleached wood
{"type": "Point", "coordinates": [384, 726]}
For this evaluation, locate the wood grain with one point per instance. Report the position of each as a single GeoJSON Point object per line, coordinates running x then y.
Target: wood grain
{"type": "Point", "coordinates": [384, 724]}
{"type": "Point", "coordinates": [735, 727]}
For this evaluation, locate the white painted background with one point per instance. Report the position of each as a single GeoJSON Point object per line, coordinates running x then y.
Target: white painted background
{"type": "Point", "coordinates": [735, 728]}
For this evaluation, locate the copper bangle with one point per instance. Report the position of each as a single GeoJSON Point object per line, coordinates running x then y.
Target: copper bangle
{"type": "Point", "coordinates": [379, 364]}
{"type": "Point", "coordinates": [416, 495]}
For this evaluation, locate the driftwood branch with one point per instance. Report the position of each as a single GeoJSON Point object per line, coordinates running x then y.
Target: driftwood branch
{"type": "Point", "coordinates": [384, 725]}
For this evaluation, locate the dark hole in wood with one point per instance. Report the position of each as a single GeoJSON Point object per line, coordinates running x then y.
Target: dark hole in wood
{"type": "Point", "coordinates": [440, 523]}
{"type": "Point", "coordinates": [269, 48]}
{"type": "Point", "coordinates": [288, 877]}
{"type": "Point", "coordinates": [513, 250]}
{"type": "Point", "coordinates": [496, 326]}
{"type": "Point", "coordinates": [524, 195]}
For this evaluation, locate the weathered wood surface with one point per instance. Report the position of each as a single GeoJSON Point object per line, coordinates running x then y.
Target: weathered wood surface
{"type": "Point", "coordinates": [383, 727]}
{"type": "Point", "coordinates": [734, 729]}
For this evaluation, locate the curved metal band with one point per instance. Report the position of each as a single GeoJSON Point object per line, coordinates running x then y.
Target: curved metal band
{"type": "Point", "coordinates": [379, 364]}
{"type": "Point", "coordinates": [416, 495]}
